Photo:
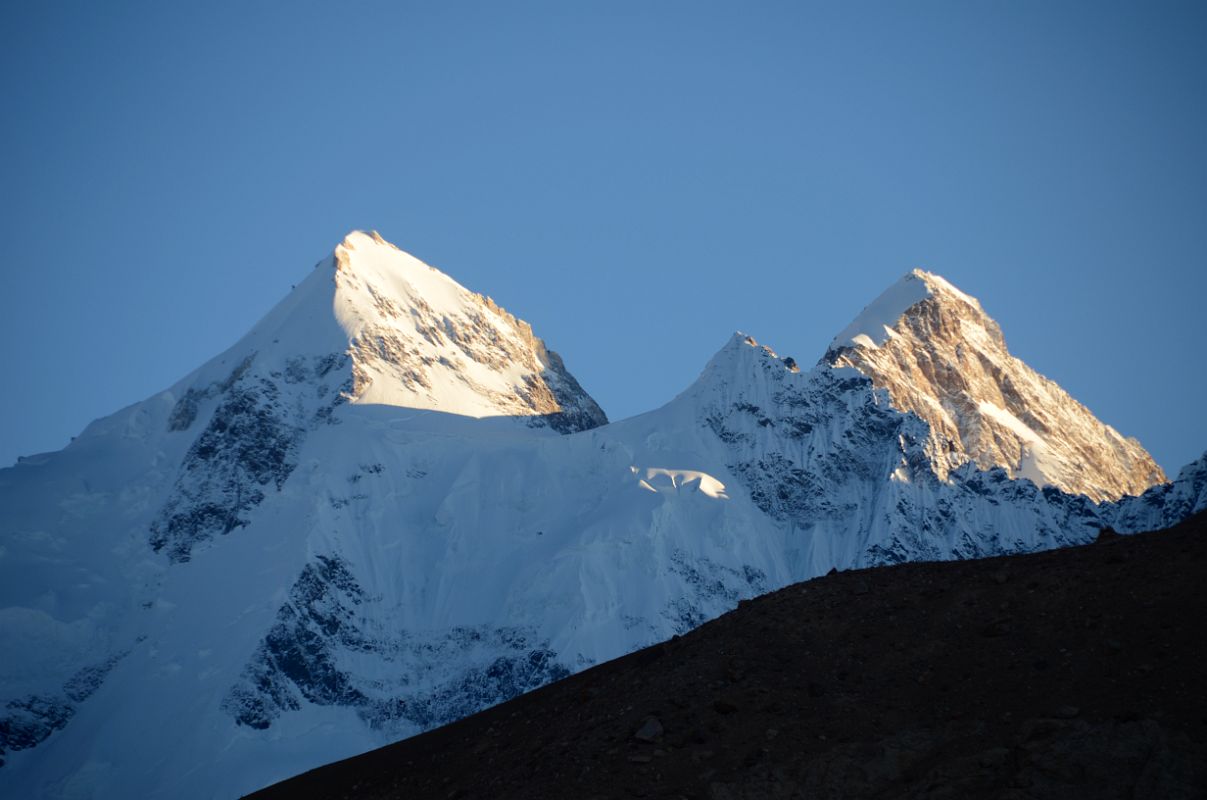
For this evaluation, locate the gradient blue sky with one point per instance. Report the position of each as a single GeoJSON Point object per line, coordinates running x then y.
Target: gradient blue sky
{"type": "Point", "coordinates": [638, 180]}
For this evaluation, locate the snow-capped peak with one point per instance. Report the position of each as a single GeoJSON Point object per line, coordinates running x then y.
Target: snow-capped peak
{"type": "Point", "coordinates": [370, 325]}
{"type": "Point", "coordinates": [737, 370]}
{"type": "Point", "coordinates": [740, 349]}
{"type": "Point", "coordinates": [938, 354]}
{"type": "Point", "coordinates": [379, 326]}
{"type": "Point", "coordinates": [419, 339]}
{"type": "Point", "coordinates": [875, 324]}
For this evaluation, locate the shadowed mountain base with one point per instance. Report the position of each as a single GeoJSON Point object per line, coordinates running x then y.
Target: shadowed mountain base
{"type": "Point", "coordinates": [1071, 673]}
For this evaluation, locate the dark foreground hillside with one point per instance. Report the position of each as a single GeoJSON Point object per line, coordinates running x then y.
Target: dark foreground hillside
{"type": "Point", "coordinates": [1075, 673]}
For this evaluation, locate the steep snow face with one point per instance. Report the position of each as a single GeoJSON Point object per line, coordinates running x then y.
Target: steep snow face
{"type": "Point", "coordinates": [939, 355]}
{"type": "Point", "coordinates": [874, 325]}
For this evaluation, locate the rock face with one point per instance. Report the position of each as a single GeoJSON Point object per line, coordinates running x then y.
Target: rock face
{"type": "Point", "coordinates": [360, 522]}
{"type": "Point", "coordinates": [937, 354]}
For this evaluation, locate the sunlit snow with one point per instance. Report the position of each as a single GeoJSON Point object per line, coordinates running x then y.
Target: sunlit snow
{"type": "Point", "coordinates": [873, 325]}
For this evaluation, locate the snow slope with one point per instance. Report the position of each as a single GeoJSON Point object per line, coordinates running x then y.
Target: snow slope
{"type": "Point", "coordinates": [358, 523]}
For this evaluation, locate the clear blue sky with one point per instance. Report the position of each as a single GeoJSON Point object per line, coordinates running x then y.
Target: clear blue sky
{"type": "Point", "coordinates": [637, 179]}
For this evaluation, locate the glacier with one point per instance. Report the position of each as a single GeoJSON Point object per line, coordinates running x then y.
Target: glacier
{"type": "Point", "coordinates": [390, 505]}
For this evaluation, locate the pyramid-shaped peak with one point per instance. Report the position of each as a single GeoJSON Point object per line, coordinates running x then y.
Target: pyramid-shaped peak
{"type": "Point", "coordinates": [743, 349]}
{"type": "Point", "coordinates": [376, 325]}
{"type": "Point", "coordinates": [419, 338]}
{"type": "Point", "coordinates": [740, 369]}
{"type": "Point", "coordinates": [875, 324]}
{"type": "Point", "coordinates": [940, 286]}
{"type": "Point", "coordinates": [375, 277]}
{"type": "Point", "coordinates": [939, 355]}
{"type": "Point", "coordinates": [392, 270]}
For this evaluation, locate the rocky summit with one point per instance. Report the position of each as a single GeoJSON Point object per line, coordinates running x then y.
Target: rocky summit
{"type": "Point", "coordinates": [938, 354]}
{"type": "Point", "coordinates": [390, 506]}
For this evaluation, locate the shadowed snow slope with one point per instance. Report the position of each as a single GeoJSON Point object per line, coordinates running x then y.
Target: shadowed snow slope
{"type": "Point", "coordinates": [940, 356]}
{"type": "Point", "coordinates": [971, 679]}
{"type": "Point", "coordinates": [358, 524]}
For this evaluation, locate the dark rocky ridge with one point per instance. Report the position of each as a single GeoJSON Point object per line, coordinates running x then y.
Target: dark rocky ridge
{"type": "Point", "coordinates": [1075, 672]}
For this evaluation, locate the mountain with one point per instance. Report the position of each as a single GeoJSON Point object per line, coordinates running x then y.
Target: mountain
{"type": "Point", "coordinates": [937, 354]}
{"type": "Point", "coordinates": [1164, 505]}
{"type": "Point", "coordinates": [389, 506]}
{"type": "Point", "coordinates": [1035, 676]}
{"type": "Point", "coordinates": [370, 325]}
